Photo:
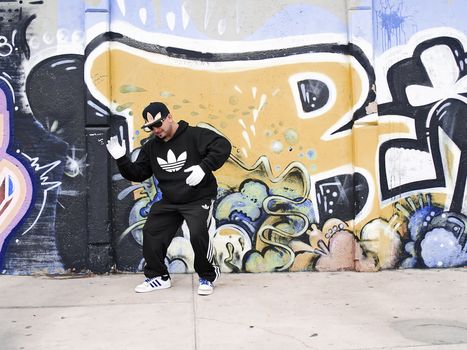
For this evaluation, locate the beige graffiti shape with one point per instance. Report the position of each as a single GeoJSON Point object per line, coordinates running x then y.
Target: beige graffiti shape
{"type": "Point", "coordinates": [254, 107]}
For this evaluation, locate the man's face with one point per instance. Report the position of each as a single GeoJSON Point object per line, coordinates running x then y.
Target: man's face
{"type": "Point", "coordinates": [165, 129]}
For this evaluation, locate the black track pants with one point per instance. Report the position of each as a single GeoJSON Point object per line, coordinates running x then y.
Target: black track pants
{"type": "Point", "coordinates": [162, 224]}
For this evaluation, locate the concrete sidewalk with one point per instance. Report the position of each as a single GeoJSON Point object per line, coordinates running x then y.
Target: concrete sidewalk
{"type": "Point", "coordinates": [403, 309]}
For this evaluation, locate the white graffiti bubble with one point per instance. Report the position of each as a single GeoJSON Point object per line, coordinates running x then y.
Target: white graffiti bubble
{"type": "Point", "coordinates": [277, 147]}
{"type": "Point", "coordinates": [47, 38]}
{"type": "Point", "coordinates": [77, 37]}
{"type": "Point", "coordinates": [4, 44]}
{"type": "Point", "coordinates": [121, 5]}
{"type": "Point", "coordinates": [185, 16]}
{"type": "Point", "coordinates": [143, 15]}
{"type": "Point", "coordinates": [33, 42]}
{"type": "Point", "coordinates": [62, 36]}
{"type": "Point", "coordinates": [221, 26]}
{"type": "Point", "coordinates": [171, 20]}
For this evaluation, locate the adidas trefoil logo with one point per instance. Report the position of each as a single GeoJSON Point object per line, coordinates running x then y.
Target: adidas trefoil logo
{"type": "Point", "coordinates": [172, 164]}
{"type": "Point", "coordinates": [205, 206]}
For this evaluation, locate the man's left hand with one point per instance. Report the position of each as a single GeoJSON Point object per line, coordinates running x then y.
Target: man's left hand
{"type": "Point", "coordinates": [197, 174]}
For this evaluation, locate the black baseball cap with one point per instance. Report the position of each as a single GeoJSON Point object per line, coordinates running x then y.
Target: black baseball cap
{"type": "Point", "coordinates": [154, 108]}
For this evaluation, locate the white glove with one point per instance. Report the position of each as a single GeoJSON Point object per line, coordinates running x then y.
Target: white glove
{"type": "Point", "coordinates": [115, 149]}
{"type": "Point", "coordinates": [197, 174]}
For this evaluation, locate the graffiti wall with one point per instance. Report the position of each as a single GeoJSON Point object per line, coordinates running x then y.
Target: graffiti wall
{"type": "Point", "coordinates": [345, 118]}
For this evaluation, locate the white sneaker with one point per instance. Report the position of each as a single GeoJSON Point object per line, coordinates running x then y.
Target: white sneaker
{"type": "Point", "coordinates": [205, 287]}
{"type": "Point", "coordinates": [154, 283]}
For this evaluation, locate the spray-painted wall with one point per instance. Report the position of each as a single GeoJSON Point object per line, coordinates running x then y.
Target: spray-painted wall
{"type": "Point", "coordinates": [347, 120]}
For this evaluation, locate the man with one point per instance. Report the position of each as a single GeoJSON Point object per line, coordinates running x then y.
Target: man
{"type": "Point", "coordinates": [182, 158]}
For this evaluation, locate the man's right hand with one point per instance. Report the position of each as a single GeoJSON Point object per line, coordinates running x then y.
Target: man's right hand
{"type": "Point", "coordinates": [115, 149]}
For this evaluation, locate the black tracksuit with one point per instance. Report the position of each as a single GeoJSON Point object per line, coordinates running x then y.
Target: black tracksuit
{"type": "Point", "coordinates": [167, 160]}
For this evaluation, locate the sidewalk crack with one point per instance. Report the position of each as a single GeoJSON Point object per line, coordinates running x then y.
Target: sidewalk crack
{"type": "Point", "coordinates": [263, 329]}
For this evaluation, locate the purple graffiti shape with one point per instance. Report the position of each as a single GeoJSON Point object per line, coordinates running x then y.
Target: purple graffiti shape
{"type": "Point", "coordinates": [15, 183]}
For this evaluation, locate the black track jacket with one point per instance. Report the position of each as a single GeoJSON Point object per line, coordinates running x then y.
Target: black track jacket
{"type": "Point", "coordinates": [167, 161]}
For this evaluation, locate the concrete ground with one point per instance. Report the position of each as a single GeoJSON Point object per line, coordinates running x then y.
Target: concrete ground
{"type": "Point", "coordinates": [403, 309]}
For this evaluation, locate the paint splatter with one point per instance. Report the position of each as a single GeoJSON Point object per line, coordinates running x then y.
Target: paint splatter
{"type": "Point", "coordinates": [124, 106]}
{"type": "Point", "coordinates": [277, 147]}
{"type": "Point", "coordinates": [311, 154]}
{"type": "Point", "coordinates": [392, 25]}
{"type": "Point", "coordinates": [291, 136]}
{"type": "Point", "coordinates": [124, 89]}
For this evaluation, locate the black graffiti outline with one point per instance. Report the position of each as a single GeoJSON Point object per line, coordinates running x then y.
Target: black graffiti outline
{"type": "Point", "coordinates": [349, 49]}
{"type": "Point", "coordinates": [411, 71]}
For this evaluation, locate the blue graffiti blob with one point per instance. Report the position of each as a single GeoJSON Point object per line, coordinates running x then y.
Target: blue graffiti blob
{"type": "Point", "coordinates": [438, 239]}
{"type": "Point", "coordinates": [440, 248]}
{"type": "Point", "coordinates": [418, 222]}
{"type": "Point", "coordinates": [444, 244]}
{"type": "Point", "coordinates": [311, 154]}
{"type": "Point", "coordinates": [144, 211]}
{"type": "Point", "coordinates": [244, 206]}
{"type": "Point", "coordinates": [11, 187]}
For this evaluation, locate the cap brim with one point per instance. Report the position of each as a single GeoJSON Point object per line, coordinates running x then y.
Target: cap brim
{"type": "Point", "coordinates": [147, 125]}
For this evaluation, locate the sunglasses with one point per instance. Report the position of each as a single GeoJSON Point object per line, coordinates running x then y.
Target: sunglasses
{"type": "Point", "coordinates": [157, 124]}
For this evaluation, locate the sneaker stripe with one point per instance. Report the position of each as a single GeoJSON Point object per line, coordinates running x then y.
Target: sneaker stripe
{"type": "Point", "coordinates": [154, 282]}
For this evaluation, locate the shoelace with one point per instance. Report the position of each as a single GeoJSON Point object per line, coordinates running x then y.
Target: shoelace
{"type": "Point", "coordinates": [204, 282]}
